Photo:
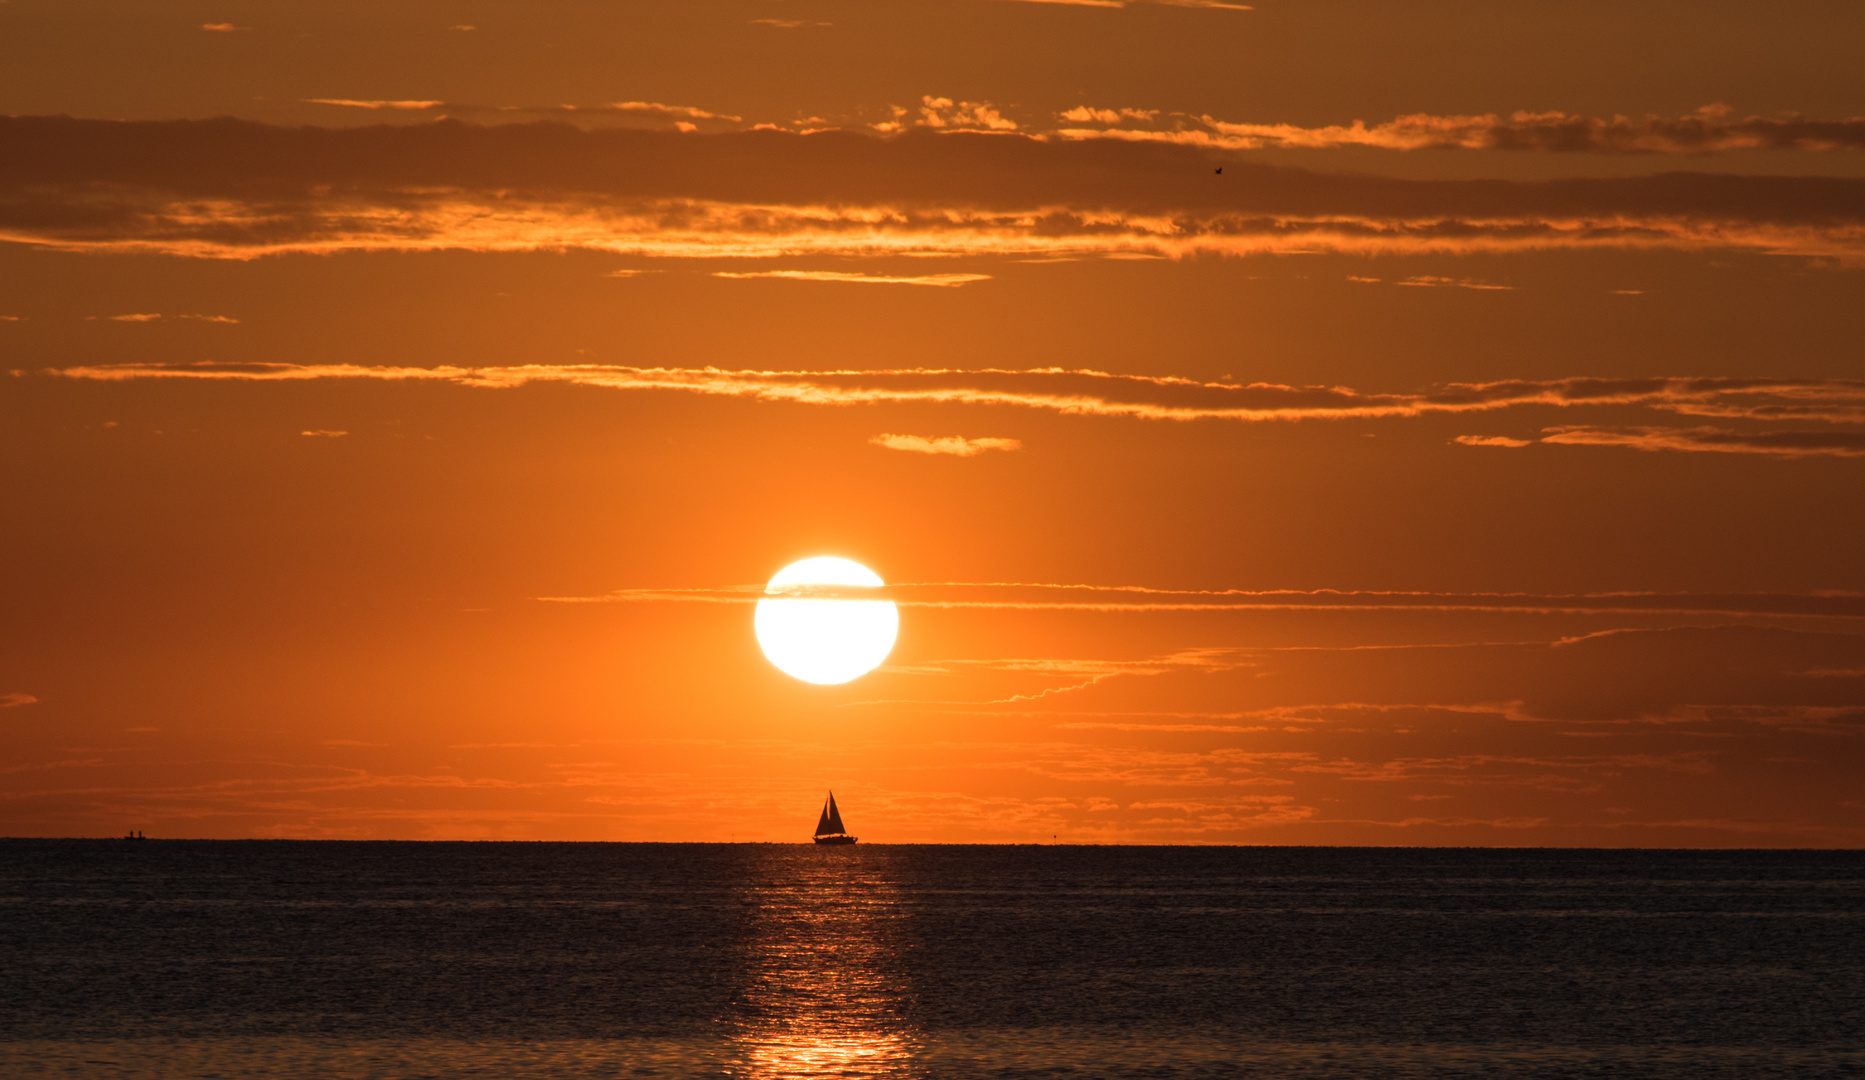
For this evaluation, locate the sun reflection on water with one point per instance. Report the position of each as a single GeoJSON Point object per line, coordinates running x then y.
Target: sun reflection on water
{"type": "Point", "coordinates": [826, 989]}
{"type": "Point", "coordinates": [799, 1055]}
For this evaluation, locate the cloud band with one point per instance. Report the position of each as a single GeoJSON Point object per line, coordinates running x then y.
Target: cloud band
{"type": "Point", "coordinates": [233, 189]}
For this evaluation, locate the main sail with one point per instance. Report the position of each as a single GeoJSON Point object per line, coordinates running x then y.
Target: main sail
{"type": "Point", "coordinates": [833, 821]}
{"type": "Point", "coordinates": [823, 827]}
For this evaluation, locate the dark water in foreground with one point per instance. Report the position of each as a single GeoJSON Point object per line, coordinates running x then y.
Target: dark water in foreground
{"type": "Point", "coordinates": [288, 959]}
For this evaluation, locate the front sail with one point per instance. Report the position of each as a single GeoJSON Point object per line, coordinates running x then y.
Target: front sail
{"type": "Point", "coordinates": [833, 820]}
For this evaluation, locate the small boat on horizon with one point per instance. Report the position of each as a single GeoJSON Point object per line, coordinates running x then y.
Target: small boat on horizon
{"type": "Point", "coordinates": [829, 828]}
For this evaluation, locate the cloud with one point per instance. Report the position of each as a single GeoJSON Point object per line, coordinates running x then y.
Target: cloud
{"type": "Point", "coordinates": [144, 317]}
{"type": "Point", "coordinates": [937, 280]}
{"type": "Point", "coordinates": [1453, 283]}
{"type": "Point", "coordinates": [1794, 444]}
{"type": "Point", "coordinates": [1082, 392]}
{"type": "Point", "coordinates": [1083, 114]}
{"type": "Point", "coordinates": [11, 701]}
{"type": "Point", "coordinates": [956, 445]}
{"type": "Point", "coordinates": [234, 189]}
{"type": "Point", "coordinates": [223, 27]}
{"type": "Point", "coordinates": [351, 103]}
{"type": "Point", "coordinates": [659, 109]}
{"type": "Point", "coordinates": [1710, 129]}
{"type": "Point", "coordinates": [1491, 440]}
{"type": "Point", "coordinates": [1684, 685]}
{"type": "Point", "coordinates": [566, 112]}
{"type": "Point", "coordinates": [787, 24]}
{"type": "Point", "coordinates": [941, 112]}
{"type": "Point", "coordinates": [1139, 599]}
{"type": "Point", "coordinates": [1694, 735]}
{"type": "Point", "coordinates": [321, 433]}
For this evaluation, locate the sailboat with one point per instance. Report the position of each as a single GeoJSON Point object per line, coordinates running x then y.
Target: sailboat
{"type": "Point", "coordinates": [829, 828]}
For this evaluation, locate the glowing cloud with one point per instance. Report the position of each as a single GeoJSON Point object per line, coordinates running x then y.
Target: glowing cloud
{"type": "Point", "coordinates": [146, 317]}
{"type": "Point", "coordinates": [353, 103]}
{"type": "Point", "coordinates": [941, 112]}
{"type": "Point", "coordinates": [1717, 441]}
{"type": "Point", "coordinates": [956, 445]}
{"type": "Point", "coordinates": [248, 190]}
{"type": "Point", "coordinates": [1491, 440]}
{"type": "Point", "coordinates": [1093, 393]}
{"type": "Point", "coordinates": [937, 280]}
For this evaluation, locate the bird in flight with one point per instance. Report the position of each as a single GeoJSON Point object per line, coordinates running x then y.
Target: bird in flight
{"type": "Point", "coordinates": [1220, 170]}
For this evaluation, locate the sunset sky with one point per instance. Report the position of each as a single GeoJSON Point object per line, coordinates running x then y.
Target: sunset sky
{"type": "Point", "coordinates": [1301, 422]}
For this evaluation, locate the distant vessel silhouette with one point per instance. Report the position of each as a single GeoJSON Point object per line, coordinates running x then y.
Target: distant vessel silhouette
{"type": "Point", "coordinates": [829, 828]}
{"type": "Point", "coordinates": [135, 834]}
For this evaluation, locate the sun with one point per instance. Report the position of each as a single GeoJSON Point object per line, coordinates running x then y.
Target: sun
{"type": "Point", "coordinates": [812, 626]}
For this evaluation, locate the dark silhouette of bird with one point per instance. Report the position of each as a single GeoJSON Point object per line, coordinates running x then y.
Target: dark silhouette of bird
{"type": "Point", "coordinates": [1220, 170]}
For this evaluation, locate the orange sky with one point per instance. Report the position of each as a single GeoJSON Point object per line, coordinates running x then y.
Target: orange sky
{"type": "Point", "coordinates": [399, 405]}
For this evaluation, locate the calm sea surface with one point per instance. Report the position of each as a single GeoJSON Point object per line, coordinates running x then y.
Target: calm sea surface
{"type": "Point", "coordinates": [304, 959]}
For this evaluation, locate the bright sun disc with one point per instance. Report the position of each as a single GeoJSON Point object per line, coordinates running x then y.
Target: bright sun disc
{"type": "Point", "coordinates": [810, 629]}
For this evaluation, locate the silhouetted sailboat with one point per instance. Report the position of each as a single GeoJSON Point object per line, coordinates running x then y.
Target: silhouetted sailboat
{"type": "Point", "coordinates": [829, 828]}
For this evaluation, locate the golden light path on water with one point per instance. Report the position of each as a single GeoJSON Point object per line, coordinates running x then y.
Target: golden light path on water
{"type": "Point", "coordinates": [827, 987]}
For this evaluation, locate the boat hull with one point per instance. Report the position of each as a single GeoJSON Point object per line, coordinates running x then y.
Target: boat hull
{"type": "Point", "coordinates": [835, 839]}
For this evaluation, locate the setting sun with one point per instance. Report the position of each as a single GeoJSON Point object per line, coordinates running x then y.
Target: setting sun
{"type": "Point", "coordinates": [810, 628]}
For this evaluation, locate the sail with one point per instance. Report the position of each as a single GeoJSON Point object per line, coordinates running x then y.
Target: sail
{"type": "Point", "coordinates": [823, 826]}
{"type": "Point", "coordinates": [834, 820]}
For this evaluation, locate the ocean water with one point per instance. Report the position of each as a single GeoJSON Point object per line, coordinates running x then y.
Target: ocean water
{"type": "Point", "coordinates": [185, 959]}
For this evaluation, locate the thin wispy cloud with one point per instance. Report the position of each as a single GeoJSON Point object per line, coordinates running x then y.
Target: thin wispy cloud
{"type": "Point", "coordinates": [352, 103]}
{"type": "Point", "coordinates": [1793, 444]}
{"type": "Point", "coordinates": [1083, 392]}
{"type": "Point", "coordinates": [468, 109]}
{"type": "Point", "coordinates": [149, 317]}
{"type": "Point", "coordinates": [1134, 599]}
{"type": "Point", "coordinates": [231, 189]}
{"type": "Point", "coordinates": [936, 280]}
{"type": "Point", "coordinates": [953, 445]}
{"type": "Point", "coordinates": [1711, 129]}
{"type": "Point", "coordinates": [1429, 282]}
{"type": "Point", "coordinates": [1785, 444]}
{"type": "Point", "coordinates": [1492, 440]}
{"type": "Point", "coordinates": [15, 700]}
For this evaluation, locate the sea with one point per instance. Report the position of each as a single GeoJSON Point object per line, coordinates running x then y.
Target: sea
{"type": "Point", "coordinates": [284, 959]}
